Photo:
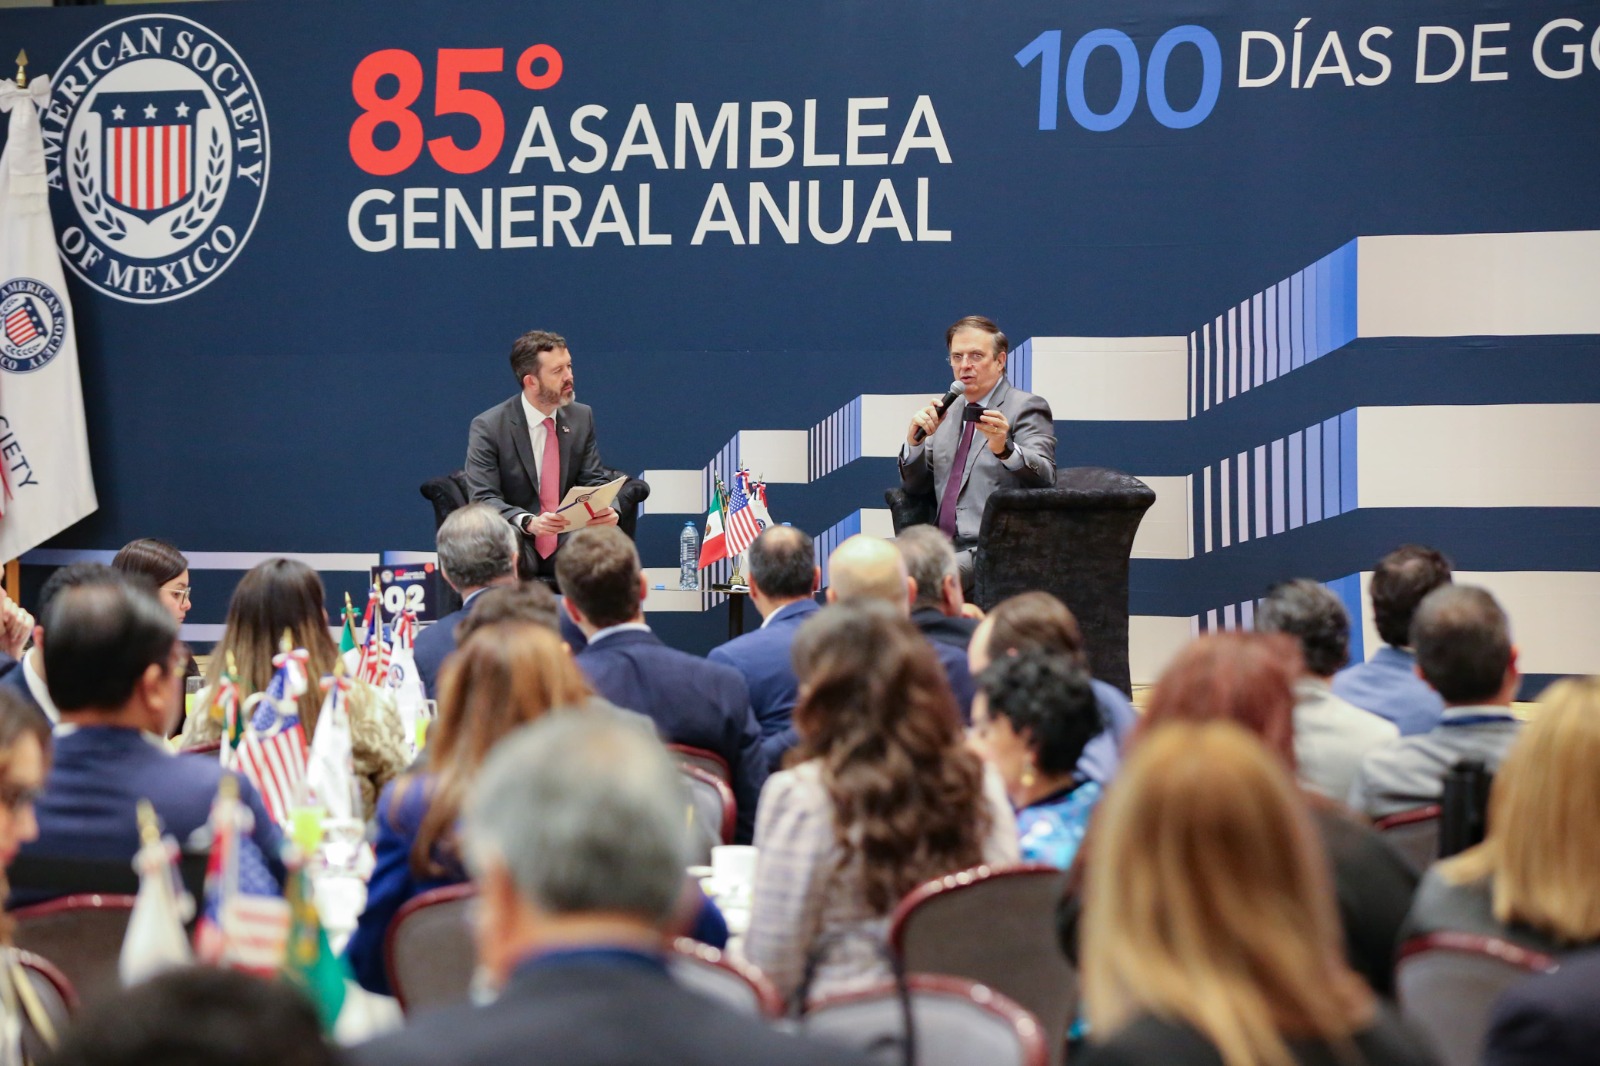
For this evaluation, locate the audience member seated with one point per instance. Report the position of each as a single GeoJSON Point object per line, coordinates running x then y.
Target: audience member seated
{"type": "Point", "coordinates": [1248, 679]}
{"type": "Point", "coordinates": [1033, 714]}
{"type": "Point", "coordinates": [530, 602]}
{"type": "Point", "coordinates": [114, 664]}
{"type": "Point", "coordinates": [1549, 1020]}
{"type": "Point", "coordinates": [693, 702]}
{"type": "Point", "coordinates": [938, 606]}
{"type": "Point", "coordinates": [1464, 651]}
{"type": "Point", "coordinates": [880, 796]}
{"type": "Point", "coordinates": [866, 568]}
{"type": "Point", "coordinates": [783, 576]}
{"type": "Point", "coordinates": [1037, 621]}
{"type": "Point", "coordinates": [477, 551]}
{"type": "Point", "coordinates": [1210, 930]}
{"type": "Point", "coordinates": [285, 594]}
{"type": "Point", "coordinates": [1535, 879]}
{"type": "Point", "coordinates": [27, 680]}
{"type": "Point", "coordinates": [575, 836]}
{"type": "Point", "coordinates": [1387, 684]}
{"type": "Point", "coordinates": [1331, 737]}
{"type": "Point", "coordinates": [24, 762]}
{"type": "Point", "coordinates": [199, 1017]}
{"type": "Point", "coordinates": [167, 568]}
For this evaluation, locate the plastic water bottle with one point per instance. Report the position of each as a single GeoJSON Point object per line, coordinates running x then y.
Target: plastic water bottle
{"type": "Point", "coordinates": [689, 557]}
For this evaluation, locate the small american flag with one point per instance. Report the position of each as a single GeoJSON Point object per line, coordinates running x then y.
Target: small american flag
{"type": "Point", "coordinates": [743, 528]}
{"type": "Point", "coordinates": [273, 752]}
{"type": "Point", "coordinates": [238, 930]}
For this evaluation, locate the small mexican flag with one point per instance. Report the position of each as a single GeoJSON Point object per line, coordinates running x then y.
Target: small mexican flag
{"type": "Point", "coordinates": [349, 650]}
{"type": "Point", "coordinates": [714, 546]}
{"type": "Point", "coordinates": [310, 964]}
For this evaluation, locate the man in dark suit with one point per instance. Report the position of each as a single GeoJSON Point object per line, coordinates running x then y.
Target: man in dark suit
{"type": "Point", "coordinates": [477, 551]}
{"type": "Point", "coordinates": [938, 606]}
{"type": "Point", "coordinates": [783, 578]}
{"type": "Point", "coordinates": [115, 664]}
{"type": "Point", "coordinates": [26, 680]}
{"type": "Point", "coordinates": [525, 454]}
{"type": "Point", "coordinates": [964, 458]}
{"type": "Point", "coordinates": [1549, 1020]}
{"type": "Point", "coordinates": [575, 837]}
{"type": "Point", "coordinates": [693, 702]}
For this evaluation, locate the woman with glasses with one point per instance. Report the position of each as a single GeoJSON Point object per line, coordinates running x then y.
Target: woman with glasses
{"type": "Point", "coordinates": [168, 570]}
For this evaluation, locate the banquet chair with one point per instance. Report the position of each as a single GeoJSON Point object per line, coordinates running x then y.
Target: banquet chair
{"type": "Point", "coordinates": [995, 926]}
{"type": "Point", "coordinates": [428, 949]}
{"type": "Point", "coordinates": [54, 993]}
{"type": "Point", "coordinates": [709, 761]}
{"type": "Point", "coordinates": [1073, 541]}
{"type": "Point", "coordinates": [728, 980]}
{"type": "Point", "coordinates": [1414, 834]}
{"type": "Point", "coordinates": [711, 812]}
{"type": "Point", "coordinates": [82, 936]}
{"type": "Point", "coordinates": [1447, 984]}
{"type": "Point", "coordinates": [955, 1022]}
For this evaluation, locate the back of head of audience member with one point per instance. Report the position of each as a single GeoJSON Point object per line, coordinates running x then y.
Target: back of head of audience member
{"type": "Point", "coordinates": [1239, 677]}
{"type": "Point", "coordinates": [530, 602]}
{"type": "Point", "coordinates": [477, 547]}
{"type": "Point", "coordinates": [75, 575]}
{"type": "Point", "coordinates": [198, 1016]}
{"type": "Point", "coordinates": [1309, 612]}
{"type": "Point", "coordinates": [1030, 621]}
{"type": "Point", "coordinates": [575, 835]}
{"type": "Point", "coordinates": [930, 560]}
{"type": "Point", "coordinates": [599, 573]}
{"type": "Point", "coordinates": [164, 565]}
{"type": "Point", "coordinates": [1544, 807]}
{"type": "Point", "coordinates": [783, 567]}
{"type": "Point", "coordinates": [868, 568]}
{"type": "Point", "coordinates": [24, 764]}
{"type": "Point", "coordinates": [1034, 715]}
{"type": "Point", "coordinates": [1209, 901]}
{"type": "Point", "coordinates": [1399, 582]}
{"type": "Point", "coordinates": [276, 596]}
{"type": "Point", "coordinates": [112, 656]}
{"type": "Point", "coordinates": [503, 676]}
{"type": "Point", "coordinates": [1463, 644]}
{"type": "Point", "coordinates": [876, 708]}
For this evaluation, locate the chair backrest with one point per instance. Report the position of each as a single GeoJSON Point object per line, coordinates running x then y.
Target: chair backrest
{"type": "Point", "coordinates": [1414, 834]}
{"type": "Point", "coordinates": [1447, 984]}
{"type": "Point", "coordinates": [996, 927]}
{"type": "Point", "coordinates": [724, 978]}
{"type": "Point", "coordinates": [711, 810]}
{"type": "Point", "coordinates": [709, 761]}
{"type": "Point", "coordinates": [55, 994]}
{"type": "Point", "coordinates": [955, 1022]}
{"type": "Point", "coordinates": [428, 949]}
{"type": "Point", "coordinates": [82, 935]}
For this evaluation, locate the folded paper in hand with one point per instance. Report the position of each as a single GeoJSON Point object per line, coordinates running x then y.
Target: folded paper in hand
{"type": "Point", "coordinates": [583, 502]}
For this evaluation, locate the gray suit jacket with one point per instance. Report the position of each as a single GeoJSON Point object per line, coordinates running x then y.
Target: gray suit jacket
{"type": "Point", "coordinates": [500, 465]}
{"type": "Point", "coordinates": [1033, 435]}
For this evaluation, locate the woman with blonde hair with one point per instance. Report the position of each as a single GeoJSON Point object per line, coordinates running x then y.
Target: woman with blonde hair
{"type": "Point", "coordinates": [1211, 935]}
{"type": "Point", "coordinates": [1535, 879]}
{"type": "Point", "coordinates": [286, 596]}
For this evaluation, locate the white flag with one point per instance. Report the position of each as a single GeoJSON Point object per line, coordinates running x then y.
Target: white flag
{"type": "Point", "coordinates": [405, 681]}
{"type": "Point", "coordinates": [330, 773]}
{"type": "Point", "coordinates": [45, 481]}
{"type": "Point", "coordinates": [155, 940]}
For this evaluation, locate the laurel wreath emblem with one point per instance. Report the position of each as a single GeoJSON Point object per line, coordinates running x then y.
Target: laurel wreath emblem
{"type": "Point", "coordinates": [96, 211]}
{"type": "Point", "coordinates": [209, 193]}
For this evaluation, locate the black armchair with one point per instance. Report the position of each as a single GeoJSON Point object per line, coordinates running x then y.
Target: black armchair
{"type": "Point", "coordinates": [1073, 541]}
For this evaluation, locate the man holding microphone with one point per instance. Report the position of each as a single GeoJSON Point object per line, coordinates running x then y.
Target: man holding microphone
{"type": "Point", "coordinates": [982, 436]}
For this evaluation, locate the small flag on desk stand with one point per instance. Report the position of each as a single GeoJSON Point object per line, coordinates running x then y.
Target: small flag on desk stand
{"type": "Point", "coordinates": [743, 527]}
{"type": "Point", "coordinates": [330, 776]}
{"type": "Point", "coordinates": [349, 649]}
{"type": "Point", "coordinates": [155, 940]}
{"type": "Point", "coordinates": [237, 930]}
{"type": "Point", "coordinates": [273, 752]}
{"type": "Point", "coordinates": [404, 680]}
{"type": "Point", "coordinates": [310, 962]}
{"type": "Point", "coordinates": [714, 546]}
{"type": "Point", "coordinates": [375, 655]}
{"type": "Point", "coordinates": [225, 706]}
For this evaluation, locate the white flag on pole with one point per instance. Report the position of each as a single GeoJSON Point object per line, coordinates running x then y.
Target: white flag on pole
{"type": "Point", "coordinates": [45, 481]}
{"type": "Point", "coordinates": [155, 940]}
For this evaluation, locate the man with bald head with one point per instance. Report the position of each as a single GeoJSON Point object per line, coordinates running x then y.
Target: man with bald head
{"type": "Point", "coordinates": [871, 568]}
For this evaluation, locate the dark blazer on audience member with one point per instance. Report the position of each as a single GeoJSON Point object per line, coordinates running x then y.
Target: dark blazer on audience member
{"type": "Point", "coordinates": [16, 679]}
{"type": "Point", "coordinates": [692, 701]}
{"type": "Point", "coordinates": [98, 774]}
{"type": "Point", "coordinates": [433, 645]}
{"type": "Point", "coordinates": [1549, 1020]}
{"type": "Point", "coordinates": [1150, 1041]}
{"type": "Point", "coordinates": [950, 637]}
{"type": "Point", "coordinates": [585, 1008]}
{"type": "Point", "coordinates": [762, 658]}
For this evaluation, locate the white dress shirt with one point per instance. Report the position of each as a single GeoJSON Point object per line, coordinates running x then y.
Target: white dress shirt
{"type": "Point", "coordinates": [38, 689]}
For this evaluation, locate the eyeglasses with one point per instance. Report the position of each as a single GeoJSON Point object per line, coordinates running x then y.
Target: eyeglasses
{"type": "Point", "coordinates": [958, 359]}
{"type": "Point", "coordinates": [182, 593]}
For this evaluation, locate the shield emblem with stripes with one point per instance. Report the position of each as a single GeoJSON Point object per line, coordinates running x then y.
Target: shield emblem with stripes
{"type": "Point", "coordinates": [149, 147]}
{"type": "Point", "coordinates": [23, 324]}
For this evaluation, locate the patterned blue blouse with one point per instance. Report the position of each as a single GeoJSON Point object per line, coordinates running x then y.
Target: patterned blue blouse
{"type": "Point", "coordinates": [1051, 829]}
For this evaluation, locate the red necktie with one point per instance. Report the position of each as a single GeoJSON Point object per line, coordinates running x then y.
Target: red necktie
{"type": "Point", "coordinates": [549, 487]}
{"type": "Point", "coordinates": [952, 488]}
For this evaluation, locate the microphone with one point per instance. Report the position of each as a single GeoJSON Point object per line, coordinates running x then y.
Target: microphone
{"type": "Point", "coordinates": [955, 393]}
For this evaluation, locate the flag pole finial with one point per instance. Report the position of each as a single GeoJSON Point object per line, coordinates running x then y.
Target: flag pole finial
{"type": "Point", "coordinates": [287, 643]}
{"type": "Point", "coordinates": [149, 826]}
{"type": "Point", "coordinates": [22, 69]}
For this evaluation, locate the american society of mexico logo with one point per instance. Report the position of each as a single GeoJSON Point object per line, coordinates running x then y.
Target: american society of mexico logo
{"type": "Point", "coordinates": [33, 325]}
{"type": "Point", "coordinates": [157, 156]}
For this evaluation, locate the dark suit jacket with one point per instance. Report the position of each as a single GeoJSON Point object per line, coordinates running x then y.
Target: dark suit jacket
{"type": "Point", "coordinates": [949, 637]}
{"type": "Point", "coordinates": [433, 645]}
{"type": "Point", "coordinates": [692, 701]}
{"type": "Point", "coordinates": [1549, 1020]}
{"type": "Point", "coordinates": [587, 1011]}
{"type": "Point", "coordinates": [16, 681]}
{"type": "Point", "coordinates": [762, 657]}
